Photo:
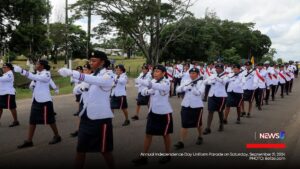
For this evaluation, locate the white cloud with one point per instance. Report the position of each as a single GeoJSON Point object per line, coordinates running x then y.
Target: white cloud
{"type": "Point", "coordinates": [279, 19]}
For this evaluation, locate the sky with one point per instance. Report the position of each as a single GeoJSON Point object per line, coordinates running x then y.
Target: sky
{"type": "Point", "coordinates": [279, 19]}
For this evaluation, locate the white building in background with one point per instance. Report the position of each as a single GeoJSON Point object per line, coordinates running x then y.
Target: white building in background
{"type": "Point", "coordinates": [113, 52]}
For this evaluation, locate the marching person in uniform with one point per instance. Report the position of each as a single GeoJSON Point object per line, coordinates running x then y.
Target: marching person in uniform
{"type": "Point", "coordinates": [269, 81]}
{"type": "Point", "coordinates": [291, 68]}
{"type": "Point", "coordinates": [235, 92]}
{"type": "Point", "coordinates": [209, 71]}
{"type": "Point", "coordinates": [118, 93]}
{"type": "Point", "coordinates": [177, 74]}
{"type": "Point", "coordinates": [288, 78]}
{"type": "Point", "coordinates": [82, 89]}
{"type": "Point", "coordinates": [159, 121]}
{"type": "Point", "coordinates": [260, 82]}
{"type": "Point", "coordinates": [192, 107]}
{"type": "Point", "coordinates": [76, 83]}
{"type": "Point", "coordinates": [95, 131]}
{"type": "Point", "coordinates": [216, 97]}
{"type": "Point", "coordinates": [42, 111]}
{"type": "Point", "coordinates": [141, 100]}
{"type": "Point", "coordinates": [8, 93]}
{"type": "Point", "coordinates": [249, 88]}
{"type": "Point", "coordinates": [282, 80]}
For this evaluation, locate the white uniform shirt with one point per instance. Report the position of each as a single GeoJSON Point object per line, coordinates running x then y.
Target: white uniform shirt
{"type": "Point", "coordinates": [217, 85]}
{"type": "Point", "coordinates": [249, 80]}
{"type": "Point", "coordinates": [41, 92]}
{"type": "Point", "coordinates": [260, 78]}
{"type": "Point", "coordinates": [170, 72]}
{"type": "Point", "coordinates": [185, 76]}
{"type": "Point", "coordinates": [159, 96]}
{"type": "Point", "coordinates": [292, 69]}
{"type": "Point", "coordinates": [209, 72]}
{"type": "Point", "coordinates": [147, 76]}
{"type": "Point", "coordinates": [282, 77]}
{"type": "Point", "coordinates": [7, 84]}
{"type": "Point", "coordinates": [270, 76]}
{"type": "Point", "coordinates": [97, 103]}
{"type": "Point", "coordinates": [236, 83]}
{"type": "Point", "coordinates": [119, 88]}
{"type": "Point", "coordinates": [288, 75]}
{"type": "Point", "coordinates": [82, 89]}
{"type": "Point", "coordinates": [193, 94]}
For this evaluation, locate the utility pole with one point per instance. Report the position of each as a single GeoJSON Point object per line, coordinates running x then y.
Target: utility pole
{"type": "Point", "coordinates": [89, 13]}
{"type": "Point", "coordinates": [66, 35]}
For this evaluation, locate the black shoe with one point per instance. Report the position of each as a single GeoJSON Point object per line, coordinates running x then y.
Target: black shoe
{"type": "Point", "coordinates": [225, 121]}
{"type": "Point", "coordinates": [267, 102]}
{"type": "Point", "coordinates": [55, 114]}
{"type": "Point", "coordinates": [243, 114]}
{"type": "Point", "coordinates": [238, 121]}
{"type": "Point", "coordinates": [164, 159]}
{"type": "Point", "coordinates": [199, 141]}
{"type": "Point", "coordinates": [15, 123]}
{"type": "Point", "coordinates": [179, 145]}
{"type": "Point", "coordinates": [126, 123]}
{"type": "Point", "coordinates": [74, 134]}
{"type": "Point", "coordinates": [76, 114]}
{"type": "Point", "coordinates": [248, 115]}
{"type": "Point", "coordinates": [26, 144]}
{"type": "Point", "coordinates": [207, 131]}
{"type": "Point", "coordinates": [140, 161]}
{"type": "Point", "coordinates": [55, 140]}
{"type": "Point", "coordinates": [135, 117]}
{"type": "Point", "coordinates": [281, 95]}
{"type": "Point", "coordinates": [221, 127]}
{"type": "Point", "coordinates": [259, 108]}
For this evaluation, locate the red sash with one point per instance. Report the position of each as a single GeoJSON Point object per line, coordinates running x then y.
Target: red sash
{"type": "Point", "coordinates": [207, 71]}
{"type": "Point", "coordinates": [274, 76]}
{"type": "Point", "coordinates": [201, 71]}
{"type": "Point", "coordinates": [288, 74]}
{"type": "Point", "coordinates": [270, 76]}
{"type": "Point", "coordinates": [259, 76]}
{"type": "Point", "coordinates": [281, 75]}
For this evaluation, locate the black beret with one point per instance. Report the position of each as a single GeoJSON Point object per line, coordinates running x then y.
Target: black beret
{"type": "Point", "coordinates": [98, 54]}
{"type": "Point", "coordinates": [9, 65]}
{"type": "Point", "coordinates": [79, 67]}
{"type": "Point", "coordinates": [236, 66]}
{"type": "Point", "coordinates": [248, 63]}
{"type": "Point", "coordinates": [260, 64]}
{"type": "Point", "coordinates": [160, 67]}
{"type": "Point", "coordinates": [87, 66]}
{"type": "Point", "coordinates": [44, 63]}
{"type": "Point", "coordinates": [219, 66]}
{"type": "Point", "coordinates": [194, 70]}
{"type": "Point", "coordinates": [121, 67]}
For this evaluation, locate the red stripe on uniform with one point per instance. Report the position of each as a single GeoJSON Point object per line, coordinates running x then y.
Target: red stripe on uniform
{"type": "Point", "coordinates": [103, 138]}
{"type": "Point", "coordinates": [222, 104]}
{"type": "Point", "coordinates": [8, 102]}
{"type": "Point", "coordinates": [121, 102]}
{"type": "Point", "coordinates": [45, 115]}
{"type": "Point", "coordinates": [241, 101]}
{"type": "Point", "coordinates": [168, 123]}
{"type": "Point", "coordinates": [200, 118]}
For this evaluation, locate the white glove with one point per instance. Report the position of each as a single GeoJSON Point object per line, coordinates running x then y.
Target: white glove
{"type": "Point", "coordinates": [64, 72]}
{"type": "Point", "coordinates": [17, 69]}
{"type": "Point", "coordinates": [56, 91]}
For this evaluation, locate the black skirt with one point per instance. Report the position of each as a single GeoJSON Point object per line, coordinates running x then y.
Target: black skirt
{"type": "Point", "coordinates": [118, 102]}
{"type": "Point", "coordinates": [191, 117]}
{"type": "Point", "coordinates": [234, 99]}
{"type": "Point", "coordinates": [8, 101]}
{"type": "Point", "coordinates": [216, 104]}
{"type": "Point", "coordinates": [42, 113]}
{"type": "Point", "coordinates": [142, 100]}
{"type": "Point", "coordinates": [159, 124]}
{"type": "Point", "coordinates": [95, 135]}
{"type": "Point", "coordinates": [248, 95]}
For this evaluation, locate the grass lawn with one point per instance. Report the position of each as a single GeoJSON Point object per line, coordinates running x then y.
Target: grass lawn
{"type": "Point", "coordinates": [133, 67]}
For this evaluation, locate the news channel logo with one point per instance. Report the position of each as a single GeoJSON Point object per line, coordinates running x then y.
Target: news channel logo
{"type": "Point", "coordinates": [271, 135]}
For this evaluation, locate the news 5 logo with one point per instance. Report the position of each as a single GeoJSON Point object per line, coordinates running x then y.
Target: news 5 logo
{"type": "Point", "coordinates": [276, 136]}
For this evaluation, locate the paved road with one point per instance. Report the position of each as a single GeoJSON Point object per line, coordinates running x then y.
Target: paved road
{"type": "Point", "coordinates": [280, 115]}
